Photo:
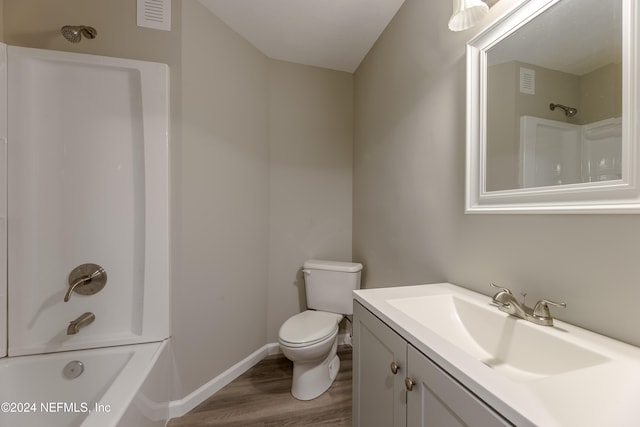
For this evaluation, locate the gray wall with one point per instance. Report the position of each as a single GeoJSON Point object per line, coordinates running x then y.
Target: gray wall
{"type": "Point", "coordinates": [310, 134]}
{"type": "Point", "coordinates": [222, 201]}
{"type": "Point", "coordinates": [37, 23]}
{"type": "Point", "coordinates": [409, 221]}
{"type": "Point", "coordinates": [265, 183]}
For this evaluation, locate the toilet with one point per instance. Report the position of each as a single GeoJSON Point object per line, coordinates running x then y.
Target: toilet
{"type": "Point", "coordinates": [310, 339]}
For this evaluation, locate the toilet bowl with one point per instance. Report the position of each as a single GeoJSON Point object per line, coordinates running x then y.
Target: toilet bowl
{"type": "Point", "coordinates": [310, 340]}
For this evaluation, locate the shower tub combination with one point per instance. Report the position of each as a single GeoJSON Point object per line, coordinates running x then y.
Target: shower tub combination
{"type": "Point", "coordinates": [84, 220]}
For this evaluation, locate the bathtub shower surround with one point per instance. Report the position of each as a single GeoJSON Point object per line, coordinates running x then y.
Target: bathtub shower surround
{"type": "Point", "coordinates": [87, 180]}
{"type": "Point", "coordinates": [84, 198]}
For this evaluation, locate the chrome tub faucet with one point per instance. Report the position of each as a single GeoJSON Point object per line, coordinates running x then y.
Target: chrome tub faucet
{"type": "Point", "coordinates": [540, 314]}
{"type": "Point", "coordinates": [82, 321]}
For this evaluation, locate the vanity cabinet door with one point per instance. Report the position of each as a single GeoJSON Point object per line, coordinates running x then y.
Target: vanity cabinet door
{"type": "Point", "coordinates": [438, 400]}
{"type": "Point", "coordinates": [379, 394]}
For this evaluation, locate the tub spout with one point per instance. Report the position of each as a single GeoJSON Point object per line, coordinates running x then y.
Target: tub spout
{"type": "Point", "coordinates": [80, 322]}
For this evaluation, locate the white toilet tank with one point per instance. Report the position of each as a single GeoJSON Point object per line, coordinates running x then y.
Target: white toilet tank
{"type": "Point", "coordinates": [328, 285]}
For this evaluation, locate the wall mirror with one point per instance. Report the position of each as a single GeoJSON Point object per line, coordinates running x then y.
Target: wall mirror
{"type": "Point", "coordinates": [552, 106]}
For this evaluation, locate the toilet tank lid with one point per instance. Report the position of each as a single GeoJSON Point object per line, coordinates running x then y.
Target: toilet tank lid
{"type": "Point", "coordinates": [317, 264]}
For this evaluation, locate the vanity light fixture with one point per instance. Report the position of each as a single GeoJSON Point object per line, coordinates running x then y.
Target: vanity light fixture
{"type": "Point", "coordinates": [467, 13]}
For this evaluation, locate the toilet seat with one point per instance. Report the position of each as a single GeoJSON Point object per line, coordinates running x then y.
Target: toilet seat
{"type": "Point", "coordinates": [308, 328]}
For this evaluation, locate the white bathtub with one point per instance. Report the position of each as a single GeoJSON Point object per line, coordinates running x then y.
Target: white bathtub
{"type": "Point", "coordinates": [119, 386]}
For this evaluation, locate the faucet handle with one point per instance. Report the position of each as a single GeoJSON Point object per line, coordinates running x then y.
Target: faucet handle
{"type": "Point", "coordinates": [493, 285]}
{"type": "Point", "coordinates": [542, 308]}
{"type": "Point", "coordinates": [503, 297]}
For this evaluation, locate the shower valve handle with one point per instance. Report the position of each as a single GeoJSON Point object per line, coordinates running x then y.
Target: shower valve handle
{"type": "Point", "coordinates": [81, 281]}
{"type": "Point", "coordinates": [86, 279]}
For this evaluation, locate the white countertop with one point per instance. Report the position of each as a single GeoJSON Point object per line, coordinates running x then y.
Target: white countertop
{"type": "Point", "coordinates": [604, 395]}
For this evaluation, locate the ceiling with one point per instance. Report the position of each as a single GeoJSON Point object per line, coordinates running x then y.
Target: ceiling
{"type": "Point", "coordinates": [334, 34]}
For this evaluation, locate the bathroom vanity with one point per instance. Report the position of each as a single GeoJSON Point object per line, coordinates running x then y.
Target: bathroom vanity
{"type": "Point", "coordinates": [441, 355]}
{"type": "Point", "coordinates": [397, 393]}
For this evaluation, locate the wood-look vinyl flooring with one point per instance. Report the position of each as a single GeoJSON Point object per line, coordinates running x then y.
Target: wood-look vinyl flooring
{"type": "Point", "coordinates": [261, 397]}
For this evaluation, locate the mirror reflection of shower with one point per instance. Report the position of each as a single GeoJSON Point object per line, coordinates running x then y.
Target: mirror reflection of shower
{"type": "Point", "coordinates": [568, 111]}
{"type": "Point", "coordinates": [74, 33]}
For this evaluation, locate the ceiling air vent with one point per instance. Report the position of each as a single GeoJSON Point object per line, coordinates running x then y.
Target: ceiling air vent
{"type": "Point", "coordinates": [154, 14]}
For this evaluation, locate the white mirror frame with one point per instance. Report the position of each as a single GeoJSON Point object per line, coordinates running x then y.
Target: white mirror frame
{"type": "Point", "coordinates": [616, 196]}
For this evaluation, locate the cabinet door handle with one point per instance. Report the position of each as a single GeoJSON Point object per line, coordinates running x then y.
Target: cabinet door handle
{"type": "Point", "coordinates": [394, 368]}
{"type": "Point", "coordinates": [409, 383]}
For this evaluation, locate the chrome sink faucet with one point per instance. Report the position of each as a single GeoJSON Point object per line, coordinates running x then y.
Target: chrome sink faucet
{"type": "Point", "coordinates": [540, 314]}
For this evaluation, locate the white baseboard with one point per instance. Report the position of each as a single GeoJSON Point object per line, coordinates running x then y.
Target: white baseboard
{"type": "Point", "coordinates": [178, 408]}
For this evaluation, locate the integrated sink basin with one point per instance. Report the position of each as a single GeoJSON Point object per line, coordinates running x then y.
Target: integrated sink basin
{"type": "Point", "coordinates": [513, 347]}
{"type": "Point", "coordinates": [533, 375]}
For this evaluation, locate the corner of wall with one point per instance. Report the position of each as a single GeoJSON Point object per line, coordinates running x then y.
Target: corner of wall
{"type": "Point", "coordinates": [2, 21]}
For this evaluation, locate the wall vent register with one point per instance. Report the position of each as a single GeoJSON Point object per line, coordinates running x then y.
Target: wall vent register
{"type": "Point", "coordinates": [154, 14]}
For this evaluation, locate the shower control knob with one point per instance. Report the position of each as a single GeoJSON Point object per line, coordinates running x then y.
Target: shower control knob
{"type": "Point", "coordinates": [86, 279]}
